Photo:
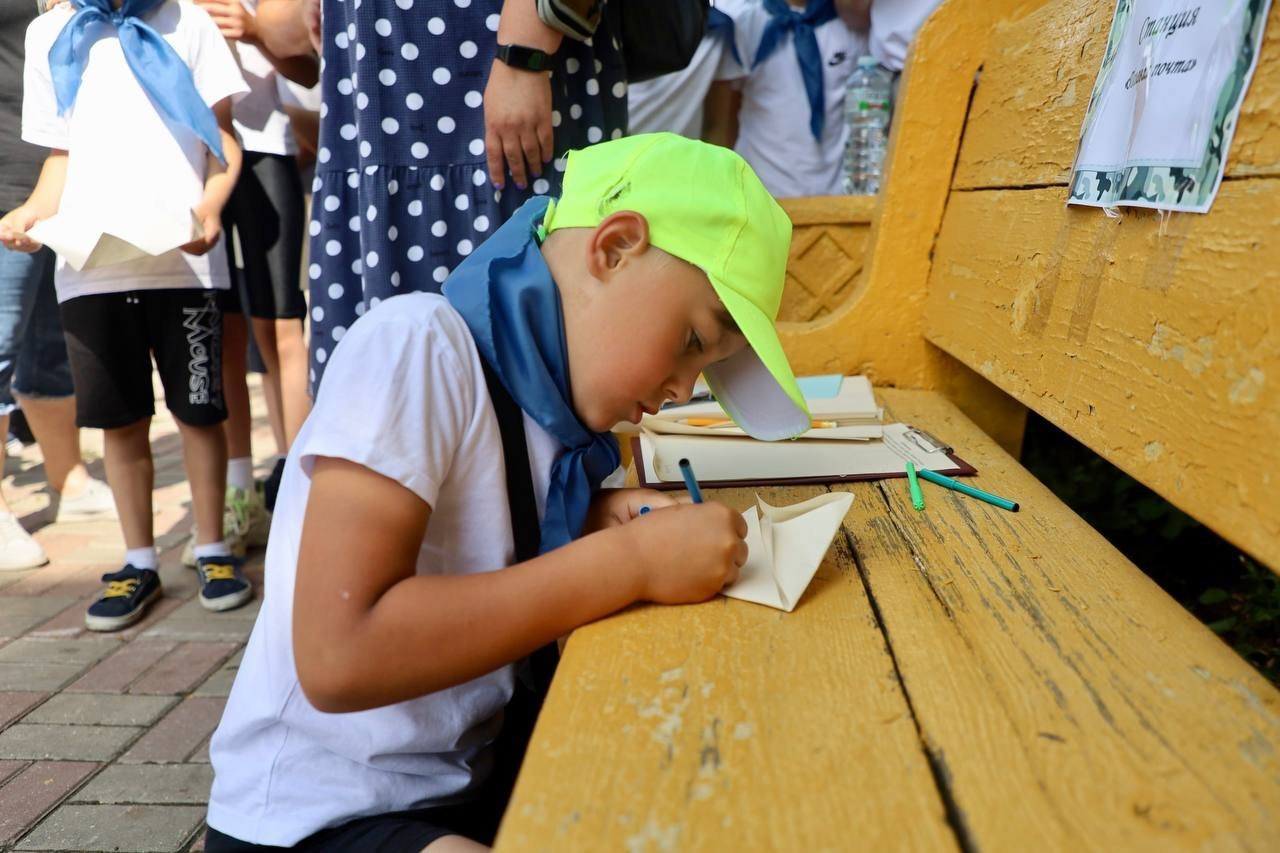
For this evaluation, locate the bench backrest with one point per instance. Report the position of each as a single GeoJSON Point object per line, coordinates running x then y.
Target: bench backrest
{"type": "Point", "coordinates": [1153, 340]}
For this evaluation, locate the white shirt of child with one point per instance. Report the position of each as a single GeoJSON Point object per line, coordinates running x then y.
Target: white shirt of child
{"type": "Point", "coordinates": [673, 102]}
{"type": "Point", "coordinates": [893, 28]}
{"type": "Point", "coordinates": [121, 150]}
{"type": "Point", "coordinates": [773, 123]}
{"type": "Point", "coordinates": [405, 396]}
{"type": "Point", "coordinates": [260, 120]}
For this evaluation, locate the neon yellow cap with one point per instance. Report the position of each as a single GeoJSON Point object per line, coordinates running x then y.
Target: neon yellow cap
{"type": "Point", "coordinates": [706, 206]}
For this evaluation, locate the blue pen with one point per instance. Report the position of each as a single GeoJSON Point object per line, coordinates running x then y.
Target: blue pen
{"type": "Point", "coordinates": [645, 509]}
{"type": "Point", "coordinates": [690, 483]}
{"type": "Point", "coordinates": [957, 486]}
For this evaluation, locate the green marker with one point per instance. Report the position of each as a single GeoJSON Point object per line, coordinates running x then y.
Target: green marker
{"type": "Point", "coordinates": [917, 497]}
{"type": "Point", "coordinates": [957, 486]}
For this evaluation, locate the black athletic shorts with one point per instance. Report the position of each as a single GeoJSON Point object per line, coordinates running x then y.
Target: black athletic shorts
{"type": "Point", "coordinates": [111, 338]}
{"type": "Point", "coordinates": [264, 218]}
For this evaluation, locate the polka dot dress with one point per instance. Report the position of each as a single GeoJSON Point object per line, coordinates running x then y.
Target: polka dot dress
{"type": "Point", "coordinates": [402, 193]}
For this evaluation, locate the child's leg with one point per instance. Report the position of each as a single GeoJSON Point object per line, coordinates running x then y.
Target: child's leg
{"type": "Point", "coordinates": [204, 454]}
{"type": "Point", "coordinates": [271, 241]}
{"type": "Point", "coordinates": [264, 335]}
{"type": "Point", "coordinates": [109, 351]}
{"type": "Point", "coordinates": [185, 329]}
{"type": "Point", "coordinates": [284, 350]}
{"type": "Point", "coordinates": [131, 475]}
{"type": "Point", "coordinates": [237, 426]}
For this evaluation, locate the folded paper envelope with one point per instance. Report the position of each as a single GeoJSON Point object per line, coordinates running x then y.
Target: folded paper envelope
{"type": "Point", "coordinates": [83, 243]}
{"type": "Point", "coordinates": [785, 547]}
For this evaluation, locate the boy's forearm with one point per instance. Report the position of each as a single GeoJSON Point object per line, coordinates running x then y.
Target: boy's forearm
{"type": "Point", "coordinates": [46, 196]}
{"type": "Point", "coordinates": [221, 180]}
{"type": "Point", "coordinates": [484, 620]}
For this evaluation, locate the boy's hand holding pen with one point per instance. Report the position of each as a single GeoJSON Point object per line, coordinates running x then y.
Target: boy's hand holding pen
{"type": "Point", "coordinates": [686, 553]}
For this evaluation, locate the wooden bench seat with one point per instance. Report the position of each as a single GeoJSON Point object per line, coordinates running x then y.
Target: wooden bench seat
{"type": "Point", "coordinates": [964, 677]}
{"type": "Point", "coordinates": [960, 678]}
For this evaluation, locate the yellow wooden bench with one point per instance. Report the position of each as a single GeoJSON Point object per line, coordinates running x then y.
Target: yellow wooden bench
{"type": "Point", "coordinates": [966, 678]}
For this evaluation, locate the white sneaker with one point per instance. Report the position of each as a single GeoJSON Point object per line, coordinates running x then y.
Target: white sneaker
{"type": "Point", "coordinates": [17, 549]}
{"type": "Point", "coordinates": [93, 503]}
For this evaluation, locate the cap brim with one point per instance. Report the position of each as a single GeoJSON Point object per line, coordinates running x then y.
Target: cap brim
{"type": "Point", "coordinates": [756, 386]}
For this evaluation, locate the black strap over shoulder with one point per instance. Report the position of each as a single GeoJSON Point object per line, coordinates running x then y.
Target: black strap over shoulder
{"type": "Point", "coordinates": [515, 457]}
{"type": "Point", "coordinates": [540, 666]}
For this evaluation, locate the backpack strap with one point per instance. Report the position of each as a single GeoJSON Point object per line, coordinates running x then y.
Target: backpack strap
{"type": "Point", "coordinates": [536, 670]}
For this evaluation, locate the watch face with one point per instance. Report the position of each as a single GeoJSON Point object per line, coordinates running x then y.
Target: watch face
{"type": "Point", "coordinates": [519, 56]}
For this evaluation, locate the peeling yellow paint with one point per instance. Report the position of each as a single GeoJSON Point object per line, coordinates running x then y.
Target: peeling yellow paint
{"type": "Point", "coordinates": [1248, 388]}
{"type": "Point", "coordinates": [1152, 450]}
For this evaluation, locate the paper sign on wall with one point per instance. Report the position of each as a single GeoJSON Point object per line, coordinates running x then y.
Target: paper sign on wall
{"type": "Point", "coordinates": [1166, 102]}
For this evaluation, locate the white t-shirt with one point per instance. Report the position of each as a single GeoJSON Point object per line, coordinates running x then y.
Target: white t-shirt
{"type": "Point", "coordinates": [893, 28]}
{"type": "Point", "coordinates": [773, 123]}
{"type": "Point", "coordinates": [405, 396]}
{"type": "Point", "coordinates": [673, 102]}
{"type": "Point", "coordinates": [122, 153]}
{"type": "Point", "coordinates": [260, 122]}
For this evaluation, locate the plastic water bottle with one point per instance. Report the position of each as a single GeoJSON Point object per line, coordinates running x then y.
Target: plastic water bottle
{"type": "Point", "coordinates": [866, 111]}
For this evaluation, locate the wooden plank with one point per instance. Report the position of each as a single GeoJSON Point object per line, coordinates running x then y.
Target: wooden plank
{"type": "Point", "coordinates": [1037, 77]}
{"type": "Point", "coordinates": [1157, 350]}
{"type": "Point", "coordinates": [829, 210]}
{"type": "Point", "coordinates": [730, 726]}
{"type": "Point", "coordinates": [875, 329]}
{"type": "Point", "coordinates": [1069, 702]}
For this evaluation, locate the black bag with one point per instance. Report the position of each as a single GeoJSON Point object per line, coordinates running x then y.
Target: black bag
{"type": "Point", "coordinates": [657, 36]}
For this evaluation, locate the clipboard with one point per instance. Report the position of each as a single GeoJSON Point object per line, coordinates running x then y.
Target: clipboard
{"type": "Point", "coordinates": [773, 463]}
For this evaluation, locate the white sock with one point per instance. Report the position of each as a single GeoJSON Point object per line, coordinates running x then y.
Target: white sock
{"type": "Point", "coordinates": [240, 472]}
{"type": "Point", "coordinates": [213, 549]}
{"type": "Point", "coordinates": [142, 558]}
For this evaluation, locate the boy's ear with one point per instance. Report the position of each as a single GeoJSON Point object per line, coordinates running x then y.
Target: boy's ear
{"type": "Point", "coordinates": [619, 239]}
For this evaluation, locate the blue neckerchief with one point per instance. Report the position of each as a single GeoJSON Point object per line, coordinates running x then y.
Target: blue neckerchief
{"type": "Point", "coordinates": [783, 20]}
{"type": "Point", "coordinates": [720, 25]}
{"type": "Point", "coordinates": [505, 292]}
{"type": "Point", "coordinates": [157, 67]}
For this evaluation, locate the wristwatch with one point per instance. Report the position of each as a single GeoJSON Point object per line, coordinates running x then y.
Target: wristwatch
{"type": "Point", "coordinates": [524, 58]}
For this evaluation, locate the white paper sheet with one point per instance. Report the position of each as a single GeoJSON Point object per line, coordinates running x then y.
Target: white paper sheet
{"type": "Point", "coordinates": [84, 244]}
{"type": "Point", "coordinates": [785, 547]}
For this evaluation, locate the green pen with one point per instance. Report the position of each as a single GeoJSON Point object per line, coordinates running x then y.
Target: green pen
{"type": "Point", "coordinates": [917, 496]}
{"type": "Point", "coordinates": [957, 486]}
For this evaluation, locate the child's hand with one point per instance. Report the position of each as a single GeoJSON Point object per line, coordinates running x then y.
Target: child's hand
{"type": "Point", "coordinates": [14, 227]}
{"type": "Point", "coordinates": [612, 507]}
{"type": "Point", "coordinates": [688, 552]}
{"type": "Point", "coordinates": [212, 225]}
{"type": "Point", "coordinates": [233, 20]}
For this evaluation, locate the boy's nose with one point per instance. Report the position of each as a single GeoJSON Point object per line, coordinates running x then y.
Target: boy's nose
{"type": "Point", "coordinates": [679, 388]}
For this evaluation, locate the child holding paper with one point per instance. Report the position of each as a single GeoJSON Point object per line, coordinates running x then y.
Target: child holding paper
{"type": "Point", "coordinates": [134, 99]}
{"type": "Point", "coordinates": [368, 711]}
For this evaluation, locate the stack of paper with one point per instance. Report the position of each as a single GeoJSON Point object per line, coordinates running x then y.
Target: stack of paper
{"type": "Point", "coordinates": [843, 408]}
{"type": "Point", "coordinates": [732, 461]}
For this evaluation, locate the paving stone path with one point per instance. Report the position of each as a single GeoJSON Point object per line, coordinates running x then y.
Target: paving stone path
{"type": "Point", "coordinates": [104, 738]}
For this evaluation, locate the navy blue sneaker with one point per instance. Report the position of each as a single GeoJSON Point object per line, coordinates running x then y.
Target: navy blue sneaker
{"type": "Point", "coordinates": [223, 585]}
{"type": "Point", "coordinates": [128, 594]}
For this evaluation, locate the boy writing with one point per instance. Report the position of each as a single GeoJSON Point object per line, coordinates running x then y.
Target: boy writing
{"type": "Point", "coordinates": [374, 683]}
{"type": "Point", "coordinates": [134, 99]}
